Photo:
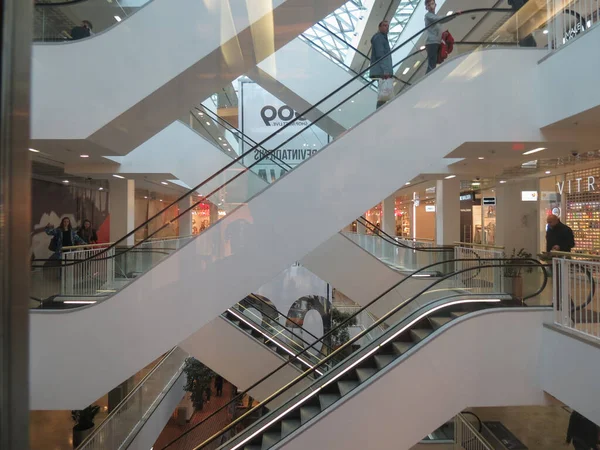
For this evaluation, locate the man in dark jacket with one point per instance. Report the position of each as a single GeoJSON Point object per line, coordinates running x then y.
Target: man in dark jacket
{"type": "Point", "coordinates": [381, 60]}
{"type": "Point", "coordinates": [82, 31]}
{"type": "Point", "coordinates": [582, 432]}
{"type": "Point", "coordinates": [559, 237]}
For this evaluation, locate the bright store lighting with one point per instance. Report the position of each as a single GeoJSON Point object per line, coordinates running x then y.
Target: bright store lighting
{"type": "Point", "coordinates": [34, 150]}
{"type": "Point", "coordinates": [405, 71]}
{"type": "Point", "coordinates": [118, 176]}
{"type": "Point", "coordinates": [548, 172]}
{"type": "Point", "coordinates": [535, 150]}
{"type": "Point", "coordinates": [84, 156]}
{"type": "Point", "coordinates": [449, 177]}
{"type": "Point", "coordinates": [502, 181]}
{"type": "Point", "coordinates": [117, 18]}
{"type": "Point", "coordinates": [164, 182]}
{"type": "Point", "coordinates": [481, 157]}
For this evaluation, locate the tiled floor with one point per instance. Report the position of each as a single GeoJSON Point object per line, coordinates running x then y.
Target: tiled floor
{"type": "Point", "coordinates": [53, 430]}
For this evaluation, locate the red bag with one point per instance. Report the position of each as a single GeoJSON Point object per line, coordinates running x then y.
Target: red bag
{"type": "Point", "coordinates": [446, 46]}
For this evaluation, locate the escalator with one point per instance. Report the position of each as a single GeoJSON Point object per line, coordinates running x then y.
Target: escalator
{"type": "Point", "coordinates": [135, 94]}
{"type": "Point", "coordinates": [267, 232]}
{"type": "Point", "coordinates": [362, 392]}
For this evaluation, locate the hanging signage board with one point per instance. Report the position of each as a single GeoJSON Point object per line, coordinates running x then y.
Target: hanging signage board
{"type": "Point", "coordinates": [489, 200]}
{"type": "Point", "coordinates": [529, 196]}
{"type": "Point", "coordinates": [262, 114]}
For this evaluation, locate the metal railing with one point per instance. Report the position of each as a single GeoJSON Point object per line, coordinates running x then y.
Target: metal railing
{"type": "Point", "coordinates": [121, 426]}
{"type": "Point", "coordinates": [576, 300]}
{"type": "Point", "coordinates": [570, 18]}
{"type": "Point", "coordinates": [488, 279]}
{"type": "Point", "coordinates": [466, 436]}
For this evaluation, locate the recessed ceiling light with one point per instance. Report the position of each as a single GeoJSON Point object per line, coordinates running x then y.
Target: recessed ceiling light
{"type": "Point", "coordinates": [117, 18]}
{"type": "Point", "coordinates": [65, 181]}
{"type": "Point", "coordinates": [548, 172]}
{"type": "Point", "coordinates": [200, 113]}
{"type": "Point", "coordinates": [100, 188]}
{"type": "Point", "coordinates": [207, 123]}
{"type": "Point", "coordinates": [476, 183]}
{"type": "Point", "coordinates": [407, 183]}
{"type": "Point", "coordinates": [164, 182]}
{"type": "Point", "coordinates": [449, 177]}
{"type": "Point", "coordinates": [34, 150]}
{"type": "Point", "coordinates": [145, 196]}
{"type": "Point", "coordinates": [161, 200]}
{"type": "Point", "coordinates": [84, 156]}
{"type": "Point", "coordinates": [502, 181]}
{"type": "Point", "coordinates": [422, 47]}
{"type": "Point", "coordinates": [220, 138]}
{"type": "Point", "coordinates": [449, 13]}
{"type": "Point", "coordinates": [417, 64]}
{"type": "Point", "coordinates": [545, 31]}
{"type": "Point", "coordinates": [225, 144]}
{"type": "Point", "coordinates": [535, 150]}
{"type": "Point", "coordinates": [481, 157]}
{"type": "Point", "coordinates": [118, 176]}
{"type": "Point", "coordinates": [405, 71]}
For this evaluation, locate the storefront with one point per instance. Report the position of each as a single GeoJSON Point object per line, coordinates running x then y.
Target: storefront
{"type": "Point", "coordinates": [478, 217]}
{"type": "Point", "coordinates": [575, 199]}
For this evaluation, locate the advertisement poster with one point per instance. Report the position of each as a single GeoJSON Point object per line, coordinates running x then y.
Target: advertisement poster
{"type": "Point", "coordinates": [261, 115]}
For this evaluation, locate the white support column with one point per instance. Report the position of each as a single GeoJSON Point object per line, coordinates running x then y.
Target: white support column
{"type": "Point", "coordinates": [122, 209]}
{"type": "Point", "coordinates": [388, 215]}
{"type": "Point", "coordinates": [185, 221]}
{"type": "Point", "coordinates": [517, 221]}
{"type": "Point", "coordinates": [447, 213]}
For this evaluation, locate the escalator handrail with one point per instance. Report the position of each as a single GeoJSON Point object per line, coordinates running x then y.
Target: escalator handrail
{"type": "Point", "coordinates": [526, 263]}
{"type": "Point", "coordinates": [270, 152]}
{"type": "Point", "coordinates": [61, 3]}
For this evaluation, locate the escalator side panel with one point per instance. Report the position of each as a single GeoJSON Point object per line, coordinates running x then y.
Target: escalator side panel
{"type": "Point", "coordinates": [490, 359]}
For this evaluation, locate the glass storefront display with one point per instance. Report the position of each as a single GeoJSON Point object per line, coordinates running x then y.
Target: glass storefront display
{"type": "Point", "coordinates": [478, 217]}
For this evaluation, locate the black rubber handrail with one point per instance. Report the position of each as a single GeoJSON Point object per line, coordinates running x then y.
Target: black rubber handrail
{"type": "Point", "coordinates": [61, 3]}
{"type": "Point", "coordinates": [269, 153]}
{"type": "Point", "coordinates": [526, 262]}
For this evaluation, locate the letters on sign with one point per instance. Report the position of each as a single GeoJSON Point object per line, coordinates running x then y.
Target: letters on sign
{"type": "Point", "coordinates": [577, 186]}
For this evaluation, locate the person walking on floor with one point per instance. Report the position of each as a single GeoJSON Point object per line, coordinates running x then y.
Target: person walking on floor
{"type": "Point", "coordinates": [583, 433]}
{"type": "Point", "coordinates": [87, 233]}
{"type": "Point", "coordinates": [559, 237]}
{"type": "Point", "coordinates": [219, 385]}
{"type": "Point", "coordinates": [63, 236]}
{"type": "Point", "coordinates": [381, 59]}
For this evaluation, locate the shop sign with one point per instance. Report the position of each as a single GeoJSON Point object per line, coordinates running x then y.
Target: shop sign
{"type": "Point", "coordinates": [576, 185]}
{"type": "Point", "coordinates": [529, 196]}
{"type": "Point", "coordinates": [466, 197]}
{"type": "Point", "coordinates": [489, 200]}
{"type": "Point", "coordinates": [429, 208]}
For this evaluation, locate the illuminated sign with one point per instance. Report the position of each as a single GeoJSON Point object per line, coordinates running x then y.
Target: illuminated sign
{"type": "Point", "coordinates": [489, 200]}
{"type": "Point", "coordinates": [529, 196]}
{"type": "Point", "coordinates": [429, 208]}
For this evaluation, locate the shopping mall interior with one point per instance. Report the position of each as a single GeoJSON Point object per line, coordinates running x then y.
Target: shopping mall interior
{"type": "Point", "coordinates": [300, 224]}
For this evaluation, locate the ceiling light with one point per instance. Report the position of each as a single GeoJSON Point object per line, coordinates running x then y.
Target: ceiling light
{"type": "Point", "coordinates": [145, 196]}
{"type": "Point", "coordinates": [207, 123]}
{"type": "Point", "coordinates": [84, 156]}
{"type": "Point", "coordinates": [405, 71]}
{"type": "Point", "coordinates": [449, 13]}
{"type": "Point", "coordinates": [340, 110]}
{"type": "Point", "coordinates": [100, 188]}
{"type": "Point", "coordinates": [65, 181]}
{"type": "Point", "coordinates": [476, 183]}
{"type": "Point", "coordinates": [34, 150]}
{"type": "Point", "coordinates": [225, 144]}
{"type": "Point", "coordinates": [407, 183]}
{"type": "Point", "coordinates": [117, 18]}
{"type": "Point", "coordinates": [422, 47]}
{"type": "Point", "coordinates": [351, 101]}
{"type": "Point", "coordinates": [548, 172]}
{"type": "Point", "coordinates": [535, 150]}
{"type": "Point", "coordinates": [545, 31]}
{"type": "Point", "coordinates": [502, 181]}
{"type": "Point", "coordinates": [220, 138]}
{"type": "Point", "coordinates": [449, 177]}
{"type": "Point", "coordinates": [118, 176]}
{"type": "Point", "coordinates": [200, 113]}
{"type": "Point", "coordinates": [481, 157]}
{"type": "Point", "coordinates": [161, 200]}
{"type": "Point", "coordinates": [164, 182]}
{"type": "Point", "coordinates": [417, 64]}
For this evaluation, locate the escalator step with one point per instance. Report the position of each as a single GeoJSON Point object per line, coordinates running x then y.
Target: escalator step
{"type": "Point", "coordinates": [288, 426]}
{"type": "Point", "coordinates": [235, 322]}
{"type": "Point", "coordinates": [269, 439]}
{"type": "Point", "coordinates": [402, 347]}
{"type": "Point", "coordinates": [458, 314]}
{"type": "Point", "coordinates": [346, 386]}
{"type": "Point", "coordinates": [252, 447]}
{"type": "Point", "coordinates": [327, 400]}
{"type": "Point", "coordinates": [420, 333]}
{"type": "Point", "coordinates": [365, 374]}
{"type": "Point", "coordinates": [383, 360]}
{"type": "Point", "coordinates": [438, 322]}
{"type": "Point", "coordinates": [308, 412]}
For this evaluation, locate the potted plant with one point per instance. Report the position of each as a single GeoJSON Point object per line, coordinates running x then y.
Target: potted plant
{"type": "Point", "coordinates": [514, 267]}
{"type": "Point", "coordinates": [84, 423]}
{"type": "Point", "coordinates": [340, 334]}
{"type": "Point", "coordinates": [198, 383]}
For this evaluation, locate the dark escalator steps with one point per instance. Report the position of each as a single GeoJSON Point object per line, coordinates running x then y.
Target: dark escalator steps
{"type": "Point", "coordinates": [347, 386]}
{"type": "Point", "coordinates": [402, 347]}
{"type": "Point", "coordinates": [308, 412]}
{"type": "Point", "coordinates": [383, 360]}
{"type": "Point", "coordinates": [457, 314]}
{"type": "Point", "coordinates": [289, 426]}
{"type": "Point", "coordinates": [252, 447]}
{"type": "Point", "coordinates": [269, 439]}
{"type": "Point", "coordinates": [440, 321]}
{"type": "Point", "coordinates": [327, 400]}
{"type": "Point", "coordinates": [419, 334]}
{"type": "Point", "coordinates": [365, 373]}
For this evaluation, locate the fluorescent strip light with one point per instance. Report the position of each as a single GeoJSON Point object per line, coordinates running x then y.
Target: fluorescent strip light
{"type": "Point", "coordinates": [84, 156]}
{"type": "Point", "coordinates": [34, 150]}
{"type": "Point", "coordinates": [406, 71]}
{"type": "Point", "coordinates": [315, 392]}
{"type": "Point", "coordinates": [545, 32]}
{"type": "Point", "coordinates": [449, 13]}
{"type": "Point", "coordinates": [481, 157]}
{"type": "Point", "coordinates": [502, 181]}
{"type": "Point", "coordinates": [118, 176]}
{"type": "Point", "coordinates": [66, 181]}
{"type": "Point", "coordinates": [548, 172]}
{"type": "Point", "coordinates": [535, 150]}
{"type": "Point", "coordinates": [79, 302]}
{"type": "Point", "coordinates": [117, 18]}
{"type": "Point", "coordinates": [164, 182]}
{"type": "Point", "coordinates": [449, 177]}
